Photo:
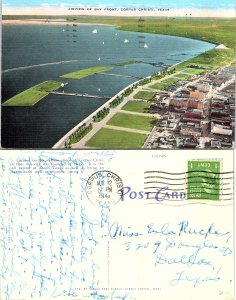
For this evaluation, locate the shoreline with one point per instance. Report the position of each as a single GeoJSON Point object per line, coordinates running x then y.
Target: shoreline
{"type": "Point", "coordinates": [61, 22]}
{"type": "Point", "coordinates": [89, 119]}
{"type": "Point", "coordinates": [50, 22]}
{"type": "Point", "coordinates": [65, 22]}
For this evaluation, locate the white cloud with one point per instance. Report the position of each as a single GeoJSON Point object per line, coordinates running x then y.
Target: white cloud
{"type": "Point", "coordinates": [104, 5]}
{"type": "Point", "coordinates": [65, 5]}
{"type": "Point", "coordinates": [49, 4]}
{"type": "Point", "coordinates": [134, 4]}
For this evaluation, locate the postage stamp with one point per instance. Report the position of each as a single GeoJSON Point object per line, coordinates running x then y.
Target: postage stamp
{"type": "Point", "coordinates": [103, 188]}
{"type": "Point", "coordinates": [203, 180]}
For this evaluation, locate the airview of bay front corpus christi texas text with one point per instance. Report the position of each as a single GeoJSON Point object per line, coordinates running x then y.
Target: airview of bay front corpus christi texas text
{"type": "Point", "coordinates": [120, 76]}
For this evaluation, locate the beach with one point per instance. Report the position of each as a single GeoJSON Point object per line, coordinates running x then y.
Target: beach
{"type": "Point", "coordinates": [48, 22]}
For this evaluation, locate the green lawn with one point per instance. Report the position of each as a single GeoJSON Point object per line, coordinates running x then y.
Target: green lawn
{"type": "Point", "coordinates": [132, 121]}
{"type": "Point", "coordinates": [165, 83]}
{"type": "Point", "coordinates": [193, 71]}
{"type": "Point", "coordinates": [183, 76]}
{"type": "Point", "coordinates": [136, 106]}
{"type": "Point", "coordinates": [144, 95]}
{"type": "Point", "coordinates": [85, 72]}
{"type": "Point", "coordinates": [33, 95]}
{"type": "Point", "coordinates": [116, 139]}
{"type": "Point", "coordinates": [212, 59]}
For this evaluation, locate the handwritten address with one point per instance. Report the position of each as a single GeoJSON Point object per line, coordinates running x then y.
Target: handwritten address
{"type": "Point", "coordinates": [176, 245]}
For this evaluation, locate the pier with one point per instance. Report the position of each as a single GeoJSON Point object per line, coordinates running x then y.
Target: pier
{"type": "Point", "coordinates": [119, 75]}
{"type": "Point", "coordinates": [80, 95]}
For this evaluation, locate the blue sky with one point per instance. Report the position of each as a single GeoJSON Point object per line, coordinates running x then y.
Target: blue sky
{"type": "Point", "coordinates": [222, 4]}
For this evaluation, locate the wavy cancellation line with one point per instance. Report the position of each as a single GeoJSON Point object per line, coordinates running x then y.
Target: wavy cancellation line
{"type": "Point", "coordinates": [202, 192]}
{"type": "Point", "coordinates": [195, 171]}
{"type": "Point", "coordinates": [192, 187]}
{"type": "Point", "coordinates": [189, 201]}
{"type": "Point", "coordinates": [211, 203]}
{"type": "Point", "coordinates": [181, 184]}
{"type": "Point", "coordinates": [222, 199]}
{"type": "Point", "coordinates": [184, 178]}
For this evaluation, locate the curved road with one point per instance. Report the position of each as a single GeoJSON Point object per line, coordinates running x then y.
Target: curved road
{"type": "Point", "coordinates": [97, 126]}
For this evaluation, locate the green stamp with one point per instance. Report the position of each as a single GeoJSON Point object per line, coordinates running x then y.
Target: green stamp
{"type": "Point", "coordinates": [203, 180]}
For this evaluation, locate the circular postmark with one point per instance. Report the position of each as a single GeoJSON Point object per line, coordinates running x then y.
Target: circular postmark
{"type": "Point", "coordinates": [103, 188]}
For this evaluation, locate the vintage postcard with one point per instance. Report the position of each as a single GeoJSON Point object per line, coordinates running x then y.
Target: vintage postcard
{"type": "Point", "coordinates": [78, 225]}
{"type": "Point", "coordinates": [118, 75]}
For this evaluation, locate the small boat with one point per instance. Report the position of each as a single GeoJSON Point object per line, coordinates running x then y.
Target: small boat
{"type": "Point", "coordinates": [95, 31]}
{"type": "Point", "coordinates": [116, 33]}
{"type": "Point", "coordinates": [99, 58]}
{"type": "Point", "coordinates": [103, 43]}
{"type": "Point", "coordinates": [126, 41]}
{"type": "Point", "coordinates": [145, 46]}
